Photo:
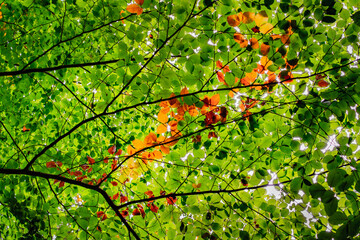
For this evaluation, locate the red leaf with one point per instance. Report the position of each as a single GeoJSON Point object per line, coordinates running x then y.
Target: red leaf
{"type": "Point", "coordinates": [323, 83]}
{"type": "Point", "coordinates": [59, 164]}
{"type": "Point", "coordinates": [150, 194]}
{"type": "Point", "coordinates": [90, 160]}
{"type": "Point", "coordinates": [212, 134]}
{"type": "Point", "coordinates": [141, 210]}
{"type": "Point", "coordinates": [116, 196]}
{"type": "Point", "coordinates": [162, 193]}
{"type": "Point", "coordinates": [171, 200]}
{"type": "Point", "coordinates": [255, 29]}
{"type": "Point", "coordinates": [84, 167]}
{"type": "Point", "coordinates": [51, 164]}
{"type": "Point", "coordinates": [81, 178]}
{"type": "Point", "coordinates": [123, 198]}
{"type": "Point", "coordinates": [320, 76]}
{"type": "Point", "coordinates": [153, 207]}
{"type": "Point", "coordinates": [196, 139]}
{"type": "Point", "coordinates": [136, 212]}
{"type": "Point", "coordinates": [106, 160]}
{"type": "Point", "coordinates": [61, 184]}
{"type": "Point", "coordinates": [112, 149]}
{"type": "Point", "coordinates": [140, 2]}
{"type": "Point", "coordinates": [114, 183]}
{"type": "Point", "coordinates": [118, 152]}
{"type": "Point", "coordinates": [77, 173]}
{"type": "Point", "coordinates": [125, 213]}
{"type": "Point", "coordinates": [100, 213]}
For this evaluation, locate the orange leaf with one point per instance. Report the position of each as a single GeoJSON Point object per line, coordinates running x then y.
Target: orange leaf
{"type": "Point", "coordinates": [165, 149]}
{"type": "Point", "coordinates": [157, 154]}
{"type": "Point", "coordinates": [254, 43]}
{"type": "Point", "coordinates": [161, 129]}
{"type": "Point", "coordinates": [226, 69]}
{"type": "Point", "coordinates": [193, 111]}
{"type": "Point", "coordinates": [266, 28]}
{"type": "Point", "coordinates": [24, 129]}
{"type": "Point", "coordinates": [285, 39]}
{"type": "Point", "coordinates": [219, 64]}
{"type": "Point", "coordinates": [264, 49]}
{"type": "Point", "coordinates": [239, 38]}
{"type": "Point", "coordinates": [162, 117]}
{"type": "Point", "coordinates": [233, 20]}
{"type": "Point", "coordinates": [214, 100]}
{"type": "Point", "coordinates": [150, 139]}
{"type": "Point", "coordinates": [140, 2]}
{"type": "Point", "coordinates": [261, 18]}
{"type": "Point", "coordinates": [138, 144]}
{"type": "Point", "coordinates": [112, 149]}
{"type": "Point", "coordinates": [265, 62]}
{"type": "Point", "coordinates": [322, 83]}
{"type": "Point", "coordinates": [275, 36]}
{"type": "Point", "coordinates": [184, 91]}
{"type": "Point", "coordinates": [134, 8]}
{"type": "Point", "coordinates": [248, 17]}
{"type": "Point", "coordinates": [196, 185]}
{"type": "Point", "coordinates": [221, 77]}
{"type": "Point", "coordinates": [130, 150]}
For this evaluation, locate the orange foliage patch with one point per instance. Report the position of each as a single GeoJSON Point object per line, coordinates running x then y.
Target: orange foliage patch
{"type": "Point", "coordinates": [134, 8]}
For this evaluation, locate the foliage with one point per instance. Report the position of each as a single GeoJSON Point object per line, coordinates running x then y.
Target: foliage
{"type": "Point", "coordinates": [198, 119]}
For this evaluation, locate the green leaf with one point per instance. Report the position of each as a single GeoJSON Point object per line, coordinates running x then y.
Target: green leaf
{"type": "Point", "coordinates": [317, 190]}
{"type": "Point", "coordinates": [328, 19]}
{"type": "Point", "coordinates": [338, 218]}
{"type": "Point", "coordinates": [356, 18]}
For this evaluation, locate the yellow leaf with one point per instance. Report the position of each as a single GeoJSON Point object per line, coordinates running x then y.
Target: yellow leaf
{"type": "Point", "coordinates": [266, 28]}
{"type": "Point", "coordinates": [138, 144]}
{"type": "Point", "coordinates": [261, 18]}
{"type": "Point", "coordinates": [265, 62]}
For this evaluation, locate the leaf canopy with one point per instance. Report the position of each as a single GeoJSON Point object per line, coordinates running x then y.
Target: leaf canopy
{"type": "Point", "coordinates": [179, 120]}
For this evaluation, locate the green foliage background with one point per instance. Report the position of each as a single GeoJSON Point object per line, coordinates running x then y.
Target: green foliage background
{"type": "Point", "coordinates": [83, 78]}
